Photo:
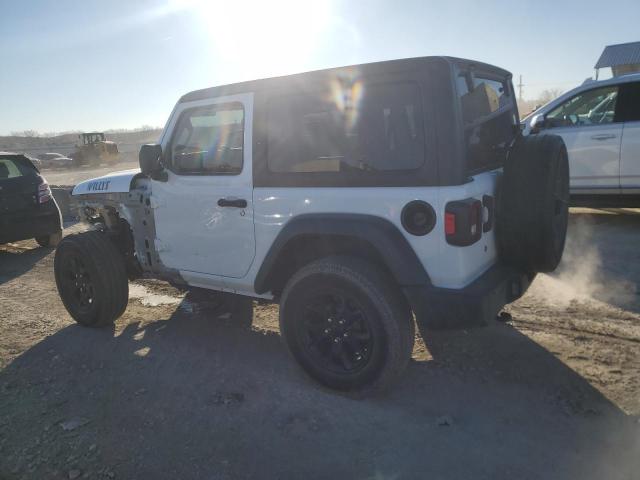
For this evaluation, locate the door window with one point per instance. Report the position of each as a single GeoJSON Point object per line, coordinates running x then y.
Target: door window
{"type": "Point", "coordinates": [593, 107]}
{"type": "Point", "coordinates": [209, 141]}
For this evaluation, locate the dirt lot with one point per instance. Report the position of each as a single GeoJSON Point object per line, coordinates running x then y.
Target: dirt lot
{"type": "Point", "coordinates": [175, 391]}
{"type": "Point", "coordinates": [77, 175]}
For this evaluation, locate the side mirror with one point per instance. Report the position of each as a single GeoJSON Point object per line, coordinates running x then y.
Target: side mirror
{"type": "Point", "coordinates": [149, 159]}
{"type": "Point", "coordinates": [538, 122]}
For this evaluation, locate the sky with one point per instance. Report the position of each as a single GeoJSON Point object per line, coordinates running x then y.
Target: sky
{"type": "Point", "coordinates": [96, 65]}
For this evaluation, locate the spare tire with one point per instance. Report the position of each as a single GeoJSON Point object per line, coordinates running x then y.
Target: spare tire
{"type": "Point", "coordinates": [533, 204]}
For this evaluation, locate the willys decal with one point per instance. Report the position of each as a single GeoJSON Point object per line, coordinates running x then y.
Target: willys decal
{"type": "Point", "coordinates": [99, 185]}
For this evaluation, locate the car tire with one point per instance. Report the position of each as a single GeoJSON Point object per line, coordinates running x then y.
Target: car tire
{"type": "Point", "coordinates": [533, 202]}
{"type": "Point", "coordinates": [51, 240]}
{"type": "Point", "coordinates": [91, 278]}
{"type": "Point", "coordinates": [347, 324]}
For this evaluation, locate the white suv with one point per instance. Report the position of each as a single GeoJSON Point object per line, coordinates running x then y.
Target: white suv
{"type": "Point", "coordinates": [356, 197]}
{"type": "Point", "coordinates": [600, 125]}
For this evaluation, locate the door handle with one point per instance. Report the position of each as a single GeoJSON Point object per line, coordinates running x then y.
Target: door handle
{"type": "Point", "coordinates": [603, 136]}
{"type": "Point", "coordinates": [232, 202]}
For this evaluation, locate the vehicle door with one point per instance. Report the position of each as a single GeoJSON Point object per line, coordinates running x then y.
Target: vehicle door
{"type": "Point", "coordinates": [628, 112]}
{"type": "Point", "coordinates": [588, 126]}
{"type": "Point", "coordinates": [204, 210]}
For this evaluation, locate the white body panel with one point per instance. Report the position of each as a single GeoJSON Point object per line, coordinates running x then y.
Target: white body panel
{"type": "Point", "coordinates": [448, 266]}
{"type": "Point", "coordinates": [116, 182]}
{"type": "Point", "coordinates": [630, 158]}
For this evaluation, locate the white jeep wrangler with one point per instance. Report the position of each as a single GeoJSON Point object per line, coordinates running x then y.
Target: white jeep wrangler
{"type": "Point", "coordinates": [357, 197]}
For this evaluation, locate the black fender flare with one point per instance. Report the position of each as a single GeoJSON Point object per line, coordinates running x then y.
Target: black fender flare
{"type": "Point", "coordinates": [380, 234]}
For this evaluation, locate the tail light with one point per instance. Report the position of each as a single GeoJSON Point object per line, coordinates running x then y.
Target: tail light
{"type": "Point", "coordinates": [44, 192]}
{"type": "Point", "coordinates": [463, 222]}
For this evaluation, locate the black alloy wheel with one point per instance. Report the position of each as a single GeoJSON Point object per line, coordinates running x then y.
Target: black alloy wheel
{"type": "Point", "coordinates": [91, 278]}
{"type": "Point", "coordinates": [77, 281]}
{"type": "Point", "coordinates": [347, 324]}
{"type": "Point", "coordinates": [335, 331]}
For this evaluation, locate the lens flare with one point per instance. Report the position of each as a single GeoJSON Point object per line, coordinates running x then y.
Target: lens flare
{"type": "Point", "coordinates": [346, 93]}
{"type": "Point", "coordinates": [260, 38]}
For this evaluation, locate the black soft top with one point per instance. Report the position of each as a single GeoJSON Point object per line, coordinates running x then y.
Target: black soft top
{"type": "Point", "coordinates": [365, 69]}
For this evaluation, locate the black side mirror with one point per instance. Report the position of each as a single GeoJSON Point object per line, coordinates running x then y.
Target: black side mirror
{"type": "Point", "coordinates": [538, 122]}
{"type": "Point", "coordinates": [149, 159]}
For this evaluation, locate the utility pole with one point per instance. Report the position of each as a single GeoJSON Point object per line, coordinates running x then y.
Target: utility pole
{"type": "Point", "coordinates": [520, 85]}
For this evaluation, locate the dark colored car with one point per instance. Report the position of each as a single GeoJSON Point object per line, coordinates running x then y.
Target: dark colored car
{"type": "Point", "coordinates": [27, 207]}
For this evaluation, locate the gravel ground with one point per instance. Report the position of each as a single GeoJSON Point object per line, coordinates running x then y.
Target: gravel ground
{"type": "Point", "coordinates": [175, 390]}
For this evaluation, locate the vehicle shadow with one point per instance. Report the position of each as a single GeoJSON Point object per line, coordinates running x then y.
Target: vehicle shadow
{"type": "Point", "coordinates": [190, 396]}
{"type": "Point", "coordinates": [17, 259]}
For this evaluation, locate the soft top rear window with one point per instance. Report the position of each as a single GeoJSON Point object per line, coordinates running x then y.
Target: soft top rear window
{"type": "Point", "coordinates": [480, 97]}
{"type": "Point", "coordinates": [489, 118]}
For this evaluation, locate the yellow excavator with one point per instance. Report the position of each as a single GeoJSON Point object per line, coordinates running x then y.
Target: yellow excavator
{"type": "Point", "coordinates": [94, 149]}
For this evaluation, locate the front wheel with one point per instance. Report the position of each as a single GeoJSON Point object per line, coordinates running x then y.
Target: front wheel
{"type": "Point", "coordinates": [346, 324]}
{"type": "Point", "coordinates": [91, 278]}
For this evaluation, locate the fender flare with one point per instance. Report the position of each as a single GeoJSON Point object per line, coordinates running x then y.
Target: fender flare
{"type": "Point", "coordinates": [382, 235]}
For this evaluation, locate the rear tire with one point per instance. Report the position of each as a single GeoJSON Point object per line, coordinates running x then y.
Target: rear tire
{"type": "Point", "coordinates": [347, 324]}
{"type": "Point", "coordinates": [51, 240]}
{"type": "Point", "coordinates": [91, 278]}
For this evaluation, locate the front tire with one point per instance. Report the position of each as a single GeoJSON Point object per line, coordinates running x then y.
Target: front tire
{"type": "Point", "coordinates": [91, 278]}
{"type": "Point", "coordinates": [347, 324]}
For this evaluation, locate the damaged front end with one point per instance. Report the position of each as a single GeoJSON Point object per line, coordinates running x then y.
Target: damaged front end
{"type": "Point", "coordinates": [123, 208]}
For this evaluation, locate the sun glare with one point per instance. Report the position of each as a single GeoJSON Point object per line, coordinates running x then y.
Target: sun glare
{"type": "Point", "coordinates": [263, 38]}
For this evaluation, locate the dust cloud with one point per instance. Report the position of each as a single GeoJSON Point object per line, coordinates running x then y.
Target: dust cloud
{"type": "Point", "coordinates": [582, 277]}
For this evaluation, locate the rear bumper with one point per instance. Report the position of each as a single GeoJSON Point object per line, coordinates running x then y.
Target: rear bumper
{"type": "Point", "coordinates": [474, 305]}
{"type": "Point", "coordinates": [32, 223]}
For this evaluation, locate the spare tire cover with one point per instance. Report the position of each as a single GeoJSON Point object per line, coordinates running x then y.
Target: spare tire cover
{"type": "Point", "coordinates": [533, 204]}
